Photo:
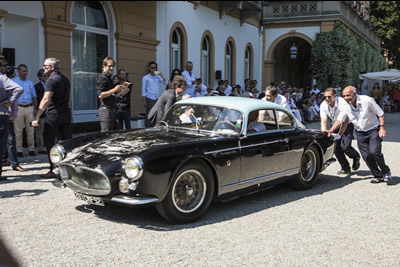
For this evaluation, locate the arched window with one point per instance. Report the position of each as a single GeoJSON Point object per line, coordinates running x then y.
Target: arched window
{"type": "Point", "coordinates": [205, 68]}
{"type": "Point", "coordinates": [90, 45]}
{"type": "Point", "coordinates": [247, 63]}
{"type": "Point", "coordinates": [228, 62]}
{"type": "Point", "coordinates": [176, 52]}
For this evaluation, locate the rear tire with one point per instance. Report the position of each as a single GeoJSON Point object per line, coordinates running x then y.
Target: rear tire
{"type": "Point", "coordinates": [190, 194]}
{"type": "Point", "coordinates": [309, 170]}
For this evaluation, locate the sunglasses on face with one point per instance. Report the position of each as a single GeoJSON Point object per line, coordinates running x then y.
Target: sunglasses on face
{"type": "Point", "coordinates": [328, 97]}
{"type": "Point", "coordinates": [153, 67]}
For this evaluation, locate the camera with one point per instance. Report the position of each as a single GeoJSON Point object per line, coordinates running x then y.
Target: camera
{"type": "Point", "coordinates": [10, 71]}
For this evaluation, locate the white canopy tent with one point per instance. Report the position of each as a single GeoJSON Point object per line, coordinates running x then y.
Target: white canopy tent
{"type": "Point", "coordinates": [372, 77]}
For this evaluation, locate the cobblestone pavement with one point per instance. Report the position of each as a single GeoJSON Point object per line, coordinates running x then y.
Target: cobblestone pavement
{"type": "Point", "coordinates": [341, 221]}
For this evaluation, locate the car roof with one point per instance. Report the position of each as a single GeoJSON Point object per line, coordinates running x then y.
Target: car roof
{"type": "Point", "coordinates": [244, 104]}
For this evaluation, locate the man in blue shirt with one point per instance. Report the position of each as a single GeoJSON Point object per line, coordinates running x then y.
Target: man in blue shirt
{"type": "Point", "coordinates": [150, 88]}
{"type": "Point", "coordinates": [27, 108]}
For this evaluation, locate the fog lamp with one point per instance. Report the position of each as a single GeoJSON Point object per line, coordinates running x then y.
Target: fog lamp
{"type": "Point", "coordinates": [123, 185]}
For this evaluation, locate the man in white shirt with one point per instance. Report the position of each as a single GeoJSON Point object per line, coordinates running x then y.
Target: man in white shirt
{"type": "Point", "coordinates": [190, 80]}
{"type": "Point", "coordinates": [330, 109]}
{"type": "Point", "coordinates": [187, 115]}
{"type": "Point", "coordinates": [271, 95]}
{"type": "Point", "coordinates": [369, 122]}
{"type": "Point", "coordinates": [315, 90]}
{"type": "Point", "coordinates": [253, 125]}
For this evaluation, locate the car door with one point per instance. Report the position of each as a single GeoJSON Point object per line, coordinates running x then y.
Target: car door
{"type": "Point", "coordinates": [264, 153]}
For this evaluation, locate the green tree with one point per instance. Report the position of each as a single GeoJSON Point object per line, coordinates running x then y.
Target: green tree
{"type": "Point", "coordinates": [385, 18]}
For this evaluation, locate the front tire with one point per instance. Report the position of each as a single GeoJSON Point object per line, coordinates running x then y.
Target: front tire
{"type": "Point", "coordinates": [190, 194]}
{"type": "Point", "coordinates": [309, 170]}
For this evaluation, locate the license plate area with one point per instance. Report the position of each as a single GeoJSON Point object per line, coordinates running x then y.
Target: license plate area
{"type": "Point", "coordinates": [89, 199]}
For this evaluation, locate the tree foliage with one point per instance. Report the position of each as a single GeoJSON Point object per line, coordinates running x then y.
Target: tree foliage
{"type": "Point", "coordinates": [385, 18]}
{"type": "Point", "coordinates": [341, 56]}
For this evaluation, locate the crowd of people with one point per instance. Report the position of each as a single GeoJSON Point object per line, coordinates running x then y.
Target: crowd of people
{"type": "Point", "coordinates": [45, 106]}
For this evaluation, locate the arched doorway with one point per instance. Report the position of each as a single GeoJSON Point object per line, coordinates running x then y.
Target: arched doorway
{"type": "Point", "coordinates": [280, 67]}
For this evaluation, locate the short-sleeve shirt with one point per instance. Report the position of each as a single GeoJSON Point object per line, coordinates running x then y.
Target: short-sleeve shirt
{"type": "Point", "coordinates": [332, 113]}
{"type": "Point", "coordinates": [364, 116]}
{"type": "Point", "coordinates": [61, 87]}
{"type": "Point", "coordinates": [104, 84]}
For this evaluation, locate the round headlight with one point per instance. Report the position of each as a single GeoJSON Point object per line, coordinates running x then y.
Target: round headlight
{"type": "Point", "coordinates": [133, 168]}
{"type": "Point", "coordinates": [57, 154]}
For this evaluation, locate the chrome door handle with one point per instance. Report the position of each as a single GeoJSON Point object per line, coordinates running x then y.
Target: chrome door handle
{"type": "Point", "coordinates": [284, 140]}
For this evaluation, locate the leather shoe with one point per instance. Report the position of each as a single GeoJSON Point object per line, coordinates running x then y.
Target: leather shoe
{"type": "Point", "coordinates": [343, 172]}
{"type": "Point", "coordinates": [356, 163]}
{"type": "Point", "coordinates": [19, 169]}
{"type": "Point", "coordinates": [20, 154]}
{"type": "Point", "coordinates": [48, 175]}
{"type": "Point", "coordinates": [32, 153]}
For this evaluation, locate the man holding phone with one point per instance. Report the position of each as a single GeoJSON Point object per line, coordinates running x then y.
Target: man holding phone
{"type": "Point", "coordinates": [108, 92]}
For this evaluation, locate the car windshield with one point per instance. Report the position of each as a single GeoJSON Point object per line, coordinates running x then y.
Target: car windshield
{"type": "Point", "coordinates": [203, 117]}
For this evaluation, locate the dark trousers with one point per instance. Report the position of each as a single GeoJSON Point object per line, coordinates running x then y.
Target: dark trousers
{"type": "Point", "coordinates": [54, 124]}
{"type": "Point", "coordinates": [370, 145]}
{"type": "Point", "coordinates": [124, 117]}
{"type": "Point", "coordinates": [12, 147]}
{"type": "Point", "coordinates": [107, 119]}
{"type": "Point", "coordinates": [149, 105]}
{"type": "Point", "coordinates": [343, 148]}
{"type": "Point", "coordinates": [4, 129]}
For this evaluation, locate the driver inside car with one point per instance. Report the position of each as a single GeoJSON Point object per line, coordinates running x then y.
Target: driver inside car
{"type": "Point", "coordinates": [187, 115]}
{"type": "Point", "coordinates": [253, 124]}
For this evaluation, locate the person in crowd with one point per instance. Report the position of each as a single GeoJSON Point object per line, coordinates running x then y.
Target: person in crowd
{"type": "Point", "coordinates": [39, 89]}
{"type": "Point", "coordinates": [190, 79]}
{"type": "Point", "coordinates": [221, 88]}
{"type": "Point", "coordinates": [376, 94]}
{"type": "Point", "coordinates": [27, 106]}
{"type": "Point", "coordinates": [247, 92]}
{"type": "Point", "coordinates": [10, 91]}
{"type": "Point", "coordinates": [314, 90]}
{"type": "Point", "coordinates": [271, 95]}
{"type": "Point", "coordinates": [369, 123]}
{"type": "Point", "coordinates": [358, 88]}
{"type": "Point", "coordinates": [124, 102]}
{"type": "Point", "coordinates": [56, 103]}
{"type": "Point", "coordinates": [108, 92]}
{"type": "Point", "coordinates": [330, 109]}
{"type": "Point", "coordinates": [171, 79]}
{"type": "Point", "coordinates": [200, 89]}
{"type": "Point", "coordinates": [236, 89]}
{"type": "Point", "coordinates": [167, 99]}
{"type": "Point", "coordinates": [246, 82]}
{"type": "Point", "coordinates": [187, 115]}
{"type": "Point", "coordinates": [228, 88]}
{"type": "Point", "coordinates": [150, 88]}
{"type": "Point", "coordinates": [291, 100]}
{"type": "Point", "coordinates": [253, 88]}
{"type": "Point", "coordinates": [395, 96]}
{"type": "Point", "coordinates": [210, 91]}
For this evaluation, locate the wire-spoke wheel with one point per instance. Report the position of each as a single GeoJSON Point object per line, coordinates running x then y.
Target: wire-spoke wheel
{"type": "Point", "coordinates": [190, 194]}
{"type": "Point", "coordinates": [309, 169]}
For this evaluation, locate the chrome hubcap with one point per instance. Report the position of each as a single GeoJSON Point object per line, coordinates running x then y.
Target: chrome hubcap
{"type": "Point", "coordinates": [189, 191]}
{"type": "Point", "coordinates": [308, 166]}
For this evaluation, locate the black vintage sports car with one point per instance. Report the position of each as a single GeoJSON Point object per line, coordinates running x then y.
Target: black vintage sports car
{"type": "Point", "coordinates": [205, 149]}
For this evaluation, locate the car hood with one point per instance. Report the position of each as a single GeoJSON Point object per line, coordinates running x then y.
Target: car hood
{"type": "Point", "coordinates": [97, 150]}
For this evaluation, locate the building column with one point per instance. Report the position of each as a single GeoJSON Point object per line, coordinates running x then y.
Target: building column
{"type": "Point", "coordinates": [57, 36]}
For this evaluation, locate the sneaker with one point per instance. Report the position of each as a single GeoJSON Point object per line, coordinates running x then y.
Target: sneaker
{"type": "Point", "coordinates": [388, 178]}
{"type": "Point", "coordinates": [377, 180]}
{"type": "Point", "coordinates": [32, 153]}
{"type": "Point", "coordinates": [356, 163]}
{"type": "Point", "coordinates": [20, 154]}
{"type": "Point", "coordinates": [343, 172]}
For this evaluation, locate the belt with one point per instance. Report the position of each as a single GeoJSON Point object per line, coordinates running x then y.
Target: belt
{"type": "Point", "coordinates": [4, 113]}
{"type": "Point", "coordinates": [25, 105]}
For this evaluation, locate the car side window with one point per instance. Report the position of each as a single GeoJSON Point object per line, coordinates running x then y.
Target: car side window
{"type": "Point", "coordinates": [267, 117]}
{"type": "Point", "coordinates": [285, 121]}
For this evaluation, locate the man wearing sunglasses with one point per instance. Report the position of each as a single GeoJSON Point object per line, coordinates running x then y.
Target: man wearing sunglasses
{"type": "Point", "coordinates": [330, 108]}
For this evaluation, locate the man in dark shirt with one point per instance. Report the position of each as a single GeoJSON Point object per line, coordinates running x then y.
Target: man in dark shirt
{"type": "Point", "coordinates": [107, 93]}
{"type": "Point", "coordinates": [124, 103]}
{"type": "Point", "coordinates": [56, 100]}
{"type": "Point", "coordinates": [39, 88]}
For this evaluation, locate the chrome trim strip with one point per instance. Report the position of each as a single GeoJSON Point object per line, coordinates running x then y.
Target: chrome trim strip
{"type": "Point", "coordinates": [221, 150]}
{"type": "Point", "coordinates": [294, 170]}
{"type": "Point", "coordinates": [130, 200]}
{"type": "Point", "coordinates": [259, 144]}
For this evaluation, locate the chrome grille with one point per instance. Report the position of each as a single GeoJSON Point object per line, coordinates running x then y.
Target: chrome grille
{"type": "Point", "coordinates": [85, 180]}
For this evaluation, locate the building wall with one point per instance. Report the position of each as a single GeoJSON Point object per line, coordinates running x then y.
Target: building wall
{"type": "Point", "coordinates": [197, 19]}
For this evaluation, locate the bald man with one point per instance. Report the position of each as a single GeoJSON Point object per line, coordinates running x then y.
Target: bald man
{"type": "Point", "coordinates": [369, 122]}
